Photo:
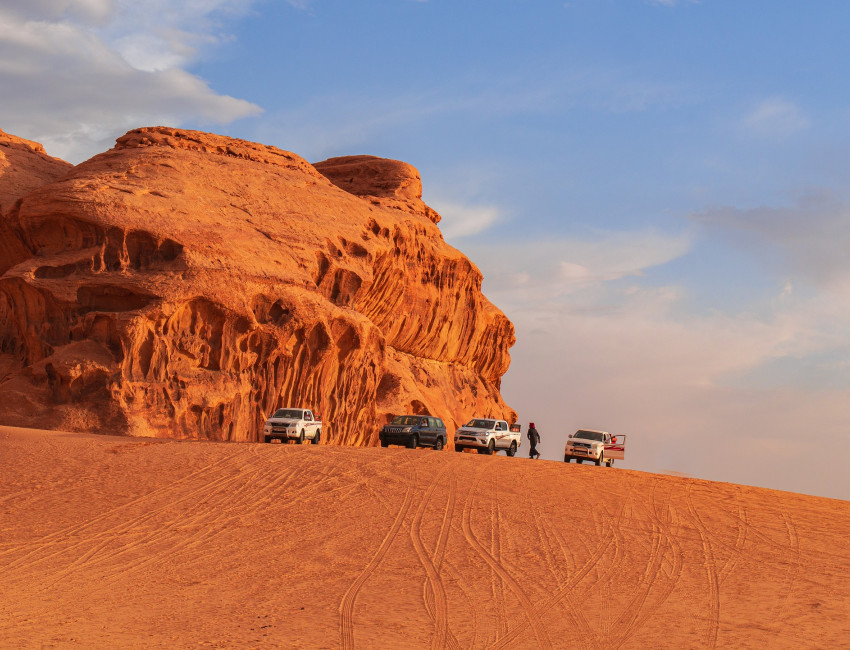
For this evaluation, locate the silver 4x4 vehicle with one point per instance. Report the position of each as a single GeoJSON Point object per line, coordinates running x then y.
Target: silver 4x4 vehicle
{"type": "Point", "coordinates": [293, 424]}
{"type": "Point", "coordinates": [414, 431]}
{"type": "Point", "coordinates": [488, 436]}
{"type": "Point", "coordinates": [598, 446]}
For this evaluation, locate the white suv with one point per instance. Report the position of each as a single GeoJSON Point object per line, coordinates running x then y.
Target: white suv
{"type": "Point", "coordinates": [293, 424]}
{"type": "Point", "coordinates": [598, 446]}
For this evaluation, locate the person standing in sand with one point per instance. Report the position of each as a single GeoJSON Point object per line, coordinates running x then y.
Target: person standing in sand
{"type": "Point", "coordinates": [533, 439]}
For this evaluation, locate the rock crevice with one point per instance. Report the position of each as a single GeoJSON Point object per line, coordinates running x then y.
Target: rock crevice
{"type": "Point", "coordinates": [187, 284]}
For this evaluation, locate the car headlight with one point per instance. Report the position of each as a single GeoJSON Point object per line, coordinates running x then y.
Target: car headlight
{"type": "Point", "coordinates": [407, 429]}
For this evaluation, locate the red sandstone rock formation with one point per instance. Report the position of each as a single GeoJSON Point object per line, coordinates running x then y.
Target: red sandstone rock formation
{"type": "Point", "coordinates": [187, 284]}
{"type": "Point", "coordinates": [25, 166]}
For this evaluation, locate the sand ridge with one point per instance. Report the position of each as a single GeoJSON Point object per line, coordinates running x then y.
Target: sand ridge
{"type": "Point", "coordinates": [115, 541]}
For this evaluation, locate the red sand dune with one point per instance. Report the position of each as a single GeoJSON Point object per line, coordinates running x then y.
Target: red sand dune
{"type": "Point", "coordinates": [116, 541]}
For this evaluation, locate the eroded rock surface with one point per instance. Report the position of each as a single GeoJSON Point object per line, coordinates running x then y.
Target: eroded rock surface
{"type": "Point", "coordinates": [187, 284]}
{"type": "Point", "coordinates": [24, 166]}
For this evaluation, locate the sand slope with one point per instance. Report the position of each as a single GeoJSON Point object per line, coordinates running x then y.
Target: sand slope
{"type": "Point", "coordinates": [112, 541]}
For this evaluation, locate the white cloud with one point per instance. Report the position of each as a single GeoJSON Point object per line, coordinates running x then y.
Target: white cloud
{"type": "Point", "coordinates": [525, 274]}
{"type": "Point", "coordinates": [465, 220]}
{"type": "Point", "coordinates": [93, 12]}
{"type": "Point", "coordinates": [86, 72]}
{"type": "Point", "coordinates": [161, 34]}
{"type": "Point", "coordinates": [776, 118]}
{"type": "Point", "coordinates": [692, 391]}
{"type": "Point", "coordinates": [599, 346]}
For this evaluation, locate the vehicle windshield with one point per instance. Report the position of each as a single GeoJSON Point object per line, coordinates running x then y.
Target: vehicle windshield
{"type": "Point", "coordinates": [407, 420]}
{"type": "Point", "coordinates": [480, 424]}
{"type": "Point", "coordinates": [291, 414]}
{"type": "Point", "coordinates": [589, 435]}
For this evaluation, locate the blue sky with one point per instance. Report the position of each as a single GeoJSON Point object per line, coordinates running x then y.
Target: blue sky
{"type": "Point", "coordinates": [654, 190]}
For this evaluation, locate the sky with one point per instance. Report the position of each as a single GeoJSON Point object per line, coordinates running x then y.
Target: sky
{"type": "Point", "coordinates": [655, 190]}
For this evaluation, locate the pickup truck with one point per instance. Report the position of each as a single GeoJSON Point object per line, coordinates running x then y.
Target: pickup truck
{"type": "Point", "coordinates": [293, 424]}
{"type": "Point", "coordinates": [488, 436]}
{"type": "Point", "coordinates": [598, 446]}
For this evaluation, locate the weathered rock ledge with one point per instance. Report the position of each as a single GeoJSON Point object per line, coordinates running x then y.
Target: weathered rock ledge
{"type": "Point", "coordinates": [187, 284]}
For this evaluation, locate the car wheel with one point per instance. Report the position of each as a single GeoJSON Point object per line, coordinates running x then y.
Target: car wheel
{"type": "Point", "coordinates": [439, 444]}
{"type": "Point", "coordinates": [490, 449]}
{"type": "Point", "coordinates": [384, 443]}
{"type": "Point", "coordinates": [579, 461]}
{"type": "Point", "coordinates": [268, 438]}
{"type": "Point", "coordinates": [600, 459]}
{"type": "Point", "coordinates": [300, 439]}
{"type": "Point", "coordinates": [413, 442]}
{"type": "Point", "coordinates": [566, 459]}
{"type": "Point", "coordinates": [511, 451]}
{"type": "Point", "coordinates": [317, 437]}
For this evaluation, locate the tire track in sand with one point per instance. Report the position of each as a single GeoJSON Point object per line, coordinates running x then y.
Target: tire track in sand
{"type": "Point", "coordinates": [743, 525]}
{"type": "Point", "coordinates": [711, 574]}
{"type": "Point", "coordinates": [75, 530]}
{"type": "Point", "coordinates": [635, 613]}
{"type": "Point", "coordinates": [544, 533]}
{"type": "Point", "coordinates": [207, 519]}
{"type": "Point", "coordinates": [260, 488]}
{"type": "Point", "coordinates": [508, 640]}
{"type": "Point", "coordinates": [346, 607]}
{"type": "Point", "coordinates": [528, 608]}
{"type": "Point", "coordinates": [735, 549]}
{"type": "Point", "coordinates": [141, 532]}
{"type": "Point", "coordinates": [434, 592]}
{"type": "Point", "coordinates": [497, 585]}
{"type": "Point", "coordinates": [793, 570]}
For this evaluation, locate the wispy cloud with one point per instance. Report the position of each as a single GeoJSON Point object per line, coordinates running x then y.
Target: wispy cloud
{"type": "Point", "coordinates": [776, 117]}
{"type": "Point", "coordinates": [459, 220]}
{"type": "Point", "coordinates": [684, 386]}
{"type": "Point", "coordinates": [333, 122]}
{"type": "Point", "coordinates": [530, 275]}
{"type": "Point", "coordinates": [84, 72]}
{"type": "Point", "coordinates": [602, 344]}
{"type": "Point", "coordinates": [808, 238]}
{"type": "Point", "coordinates": [91, 12]}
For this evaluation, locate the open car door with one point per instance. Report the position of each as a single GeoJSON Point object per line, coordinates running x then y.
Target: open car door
{"type": "Point", "coordinates": [617, 449]}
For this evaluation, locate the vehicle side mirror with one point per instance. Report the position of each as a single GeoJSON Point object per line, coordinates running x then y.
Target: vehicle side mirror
{"type": "Point", "coordinates": [613, 439]}
{"type": "Point", "coordinates": [570, 436]}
